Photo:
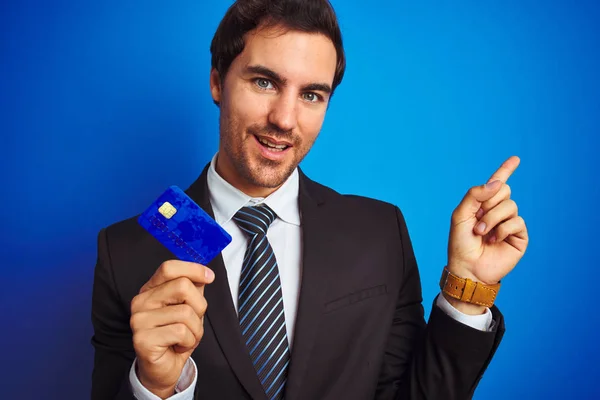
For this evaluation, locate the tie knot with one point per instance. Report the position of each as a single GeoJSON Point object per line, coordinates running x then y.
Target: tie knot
{"type": "Point", "coordinates": [255, 220]}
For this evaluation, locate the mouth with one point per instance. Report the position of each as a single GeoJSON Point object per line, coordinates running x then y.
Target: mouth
{"type": "Point", "coordinates": [272, 149]}
{"type": "Point", "coordinates": [272, 144]}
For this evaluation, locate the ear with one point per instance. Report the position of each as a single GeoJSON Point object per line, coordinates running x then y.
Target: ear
{"type": "Point", "coordinates": [215, 86]}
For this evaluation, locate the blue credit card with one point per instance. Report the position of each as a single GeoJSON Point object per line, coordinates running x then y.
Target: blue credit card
{"type": "Point", "coordinates": [184, 228]}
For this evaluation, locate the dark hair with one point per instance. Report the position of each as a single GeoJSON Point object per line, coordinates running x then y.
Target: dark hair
{"type": "Point", "coordinates": [311, 16]}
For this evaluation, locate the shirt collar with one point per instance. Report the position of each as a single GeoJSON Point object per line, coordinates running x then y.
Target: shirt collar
{"type": "Point", "coordinates": [227, 200]}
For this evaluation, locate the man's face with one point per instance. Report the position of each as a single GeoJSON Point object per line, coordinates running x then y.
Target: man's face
{"type": "Point", "coordinates": [273, 101]}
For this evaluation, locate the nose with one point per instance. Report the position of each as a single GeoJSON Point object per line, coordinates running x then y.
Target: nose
{"type": "Point", "coordinates": [283, 113]}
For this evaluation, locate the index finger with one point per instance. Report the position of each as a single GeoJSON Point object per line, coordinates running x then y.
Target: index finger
{"type": "Point", "coordinates": [174, 269]}
{"type": "Point", "coordinates": [506, 169]}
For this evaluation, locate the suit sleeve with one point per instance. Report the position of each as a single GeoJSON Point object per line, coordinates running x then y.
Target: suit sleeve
{"type": "Point", "coordinates": [112, 340]}
{"type": "Point", "coordinates": [443, 359]}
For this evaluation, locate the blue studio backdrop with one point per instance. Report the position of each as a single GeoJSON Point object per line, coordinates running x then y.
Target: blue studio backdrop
{"type": "Point", "coordinates": [105, 104]}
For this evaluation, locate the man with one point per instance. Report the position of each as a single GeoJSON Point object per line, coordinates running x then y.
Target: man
{"type": "Point", "coordinates": [318, 296]}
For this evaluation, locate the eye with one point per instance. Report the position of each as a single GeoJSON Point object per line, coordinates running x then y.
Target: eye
{"type": "Point", "coordinates": [263, 83]}
{"type": "Point", "coordinates": [311, 97]}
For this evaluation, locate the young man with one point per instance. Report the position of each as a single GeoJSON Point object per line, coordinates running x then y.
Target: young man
{"type": "Point", "coordinates": [319, 295]}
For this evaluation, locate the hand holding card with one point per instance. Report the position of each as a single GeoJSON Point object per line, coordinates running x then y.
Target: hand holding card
{"type": "Point", "coordinates": [167, 316]}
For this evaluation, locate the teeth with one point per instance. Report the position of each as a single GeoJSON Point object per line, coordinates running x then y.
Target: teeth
{"type": "Point", "coordinates": [272, 145]}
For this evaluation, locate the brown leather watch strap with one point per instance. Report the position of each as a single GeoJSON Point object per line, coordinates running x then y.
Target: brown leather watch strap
{"type": "Point", "coordinates": [467, 290]}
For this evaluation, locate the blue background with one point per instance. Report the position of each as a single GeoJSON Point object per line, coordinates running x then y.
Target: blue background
{"type": "Point", "coordinates": [105, 104]}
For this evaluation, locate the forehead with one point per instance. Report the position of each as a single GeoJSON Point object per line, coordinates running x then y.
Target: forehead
{"type": "Point", "coordinates": [299, 57]}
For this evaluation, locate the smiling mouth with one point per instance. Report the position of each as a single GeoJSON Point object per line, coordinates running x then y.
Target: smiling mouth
{"type": "Point", "coordinates": [271, 145]}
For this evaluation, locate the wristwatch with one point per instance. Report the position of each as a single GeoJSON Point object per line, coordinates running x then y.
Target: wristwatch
{"type": "Point", "coordinates": [466, 290]}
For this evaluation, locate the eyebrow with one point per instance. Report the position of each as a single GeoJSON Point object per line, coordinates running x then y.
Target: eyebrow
{"type": "Point", "coordinates": [262, 70]}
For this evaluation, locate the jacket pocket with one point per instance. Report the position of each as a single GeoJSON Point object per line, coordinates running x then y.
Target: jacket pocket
{"type": "Point", "coordinates": [355, 297]}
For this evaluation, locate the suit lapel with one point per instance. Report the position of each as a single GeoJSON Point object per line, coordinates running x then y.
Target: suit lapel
{"type": "Point", "coordinates": [314, 282]}
{"type": "Point", "coordinates": [221, 311]}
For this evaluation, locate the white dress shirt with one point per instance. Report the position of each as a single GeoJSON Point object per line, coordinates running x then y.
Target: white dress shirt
{"type": "Point", "coordinates": [285, 236]}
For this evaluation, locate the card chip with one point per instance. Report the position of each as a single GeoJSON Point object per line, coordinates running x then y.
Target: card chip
{"type": "Point", "coordinates": [167, 210]}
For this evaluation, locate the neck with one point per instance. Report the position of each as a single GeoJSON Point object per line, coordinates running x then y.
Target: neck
{"type": "Point", "coordinates": [226, 171]}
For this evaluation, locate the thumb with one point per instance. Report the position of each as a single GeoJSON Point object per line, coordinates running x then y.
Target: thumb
{"type": "Point", "coordinates": [471, 203]}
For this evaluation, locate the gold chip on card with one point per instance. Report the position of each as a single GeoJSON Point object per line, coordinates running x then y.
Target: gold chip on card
{"type": "Point", "coordinates": [167, 210]}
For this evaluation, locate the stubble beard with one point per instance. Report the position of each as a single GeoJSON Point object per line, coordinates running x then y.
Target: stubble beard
{"type": "Point", "coordinates": [258, 171]}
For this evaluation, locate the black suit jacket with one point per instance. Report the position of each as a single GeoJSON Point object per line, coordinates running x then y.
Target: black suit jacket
{"type": "Point", "coordinates": [360, 330]}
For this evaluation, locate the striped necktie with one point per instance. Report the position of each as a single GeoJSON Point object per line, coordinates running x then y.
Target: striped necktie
{"type": "Point", "coordinates": [260, 302]}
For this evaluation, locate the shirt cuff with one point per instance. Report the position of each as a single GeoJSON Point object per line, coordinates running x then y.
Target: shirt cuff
{"type": "Point", "coordinates": [481, 322]}
{"type": "Point", "coordinates": [184, 390]}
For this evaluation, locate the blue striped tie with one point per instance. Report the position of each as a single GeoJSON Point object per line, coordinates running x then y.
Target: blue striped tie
{"type": "Point", "coordinates": [260, 303]}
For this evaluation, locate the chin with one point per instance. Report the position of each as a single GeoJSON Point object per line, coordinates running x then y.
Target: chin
{"type": "Point", "coordinates": [268, 174]}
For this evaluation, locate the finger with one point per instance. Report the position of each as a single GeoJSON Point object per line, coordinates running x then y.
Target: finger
{"type": "Point", "coordinates": [178, 291]}
{"type": "Point", "coordinates": [503, 194]}
{"type": "Point", "coordinates": [173, 269]}
{"type": "Point", "coordinates": [179, 313]}
{"type": "Point", "coordinates": [505, 210]}
{"type": "Point", "coordinates": [472, 201]}
{"type": "Point", "coordinates": [147, 341]}
{"type": "Point", "coordinates": [513, 227]}
{"type": "Point", "coordinates": [506, 169]}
